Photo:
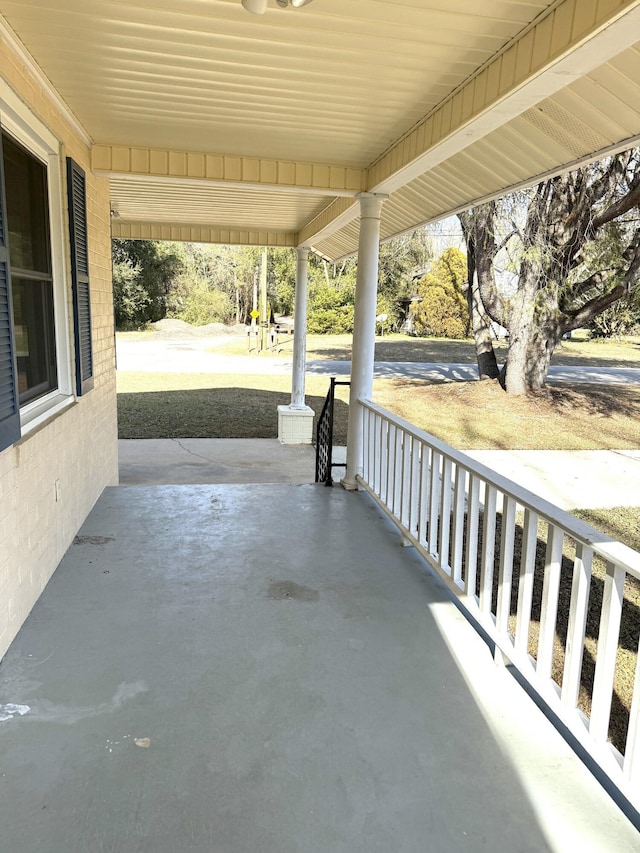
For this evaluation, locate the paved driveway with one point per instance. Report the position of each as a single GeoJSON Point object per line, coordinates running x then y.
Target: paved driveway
{"type": "Point", "coordinates": [197, 356]}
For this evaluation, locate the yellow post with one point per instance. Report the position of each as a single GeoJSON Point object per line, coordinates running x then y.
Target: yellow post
{"type": "Point", "coordinates": [264, 318]}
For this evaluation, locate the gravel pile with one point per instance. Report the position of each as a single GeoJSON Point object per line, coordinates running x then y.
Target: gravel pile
{"type": "Point", "coordinates": [178, 328]}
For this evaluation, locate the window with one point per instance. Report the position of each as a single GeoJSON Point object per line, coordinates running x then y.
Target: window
{"type": "Point", "coordinates": [36, 359]}
{"type": "Point", "coordinates": [27, 215]}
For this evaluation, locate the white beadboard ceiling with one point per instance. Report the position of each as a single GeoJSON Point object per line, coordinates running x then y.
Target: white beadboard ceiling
{"type": "Point", "coordinates": [337, 83]}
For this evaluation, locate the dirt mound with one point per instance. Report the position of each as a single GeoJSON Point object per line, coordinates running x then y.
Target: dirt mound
{"type": "Point", "coordinates": [218, 329]}
{"type": "Point", "coordinates": [173, 328]}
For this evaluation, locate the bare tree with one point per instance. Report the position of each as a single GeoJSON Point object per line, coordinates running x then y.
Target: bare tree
{"type": "Point", "coordinates": [561, 276]}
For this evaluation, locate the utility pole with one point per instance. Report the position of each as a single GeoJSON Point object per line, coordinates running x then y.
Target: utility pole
{"type": "Point", "coordinates": [253, 330]}
{"type": "Point", "coordinates": [254, 305]}
{"type": "Point", "coordinates": [264, 319]}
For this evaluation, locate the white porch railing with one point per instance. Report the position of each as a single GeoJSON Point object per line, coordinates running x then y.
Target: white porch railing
{"type": "Point", "coordinates": [482, 533]}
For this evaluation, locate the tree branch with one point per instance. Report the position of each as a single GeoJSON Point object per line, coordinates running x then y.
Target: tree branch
{"type": "Point", "coordinates": [506, 240]}
{"type": "Point", "coordinates": [620, 207]}
{"type": "Point", "coordinates": [584, 315]}
{"type": "Point", "coordinates": [581, 288]}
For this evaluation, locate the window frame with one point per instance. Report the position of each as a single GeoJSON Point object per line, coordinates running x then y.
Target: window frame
{"type": "Point", "coordinates": [18, 122]}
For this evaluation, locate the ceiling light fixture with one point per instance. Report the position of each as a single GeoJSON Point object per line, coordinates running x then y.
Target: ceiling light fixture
{"type": "Point", "coordinates": [259, 7]}
{"type": "Point", "coordinates": [256, 7]}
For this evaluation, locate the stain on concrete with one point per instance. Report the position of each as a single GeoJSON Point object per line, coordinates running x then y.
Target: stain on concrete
{"type": "Point", "coordinates": [45, 711]}
{"type": "Point", "coordinates": [92, 540]}
{"type": "Point", "coordinates": [288, 590]}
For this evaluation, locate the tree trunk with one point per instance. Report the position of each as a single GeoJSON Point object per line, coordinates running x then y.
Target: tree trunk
{"type": "Point", "coordinates": [485, 354]}
{"type": "Point", "coordinates": [528, 362]}
{"type": "Point", "coordinates": [534, 332]}
{"type": "Point", "coordinates": [480, 321]}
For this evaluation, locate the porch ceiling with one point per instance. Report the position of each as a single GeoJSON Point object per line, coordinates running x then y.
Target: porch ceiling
{"type": "Point", "coordinates": [291, 113]}
{"type": "Point", "coordinates": [206, 204]}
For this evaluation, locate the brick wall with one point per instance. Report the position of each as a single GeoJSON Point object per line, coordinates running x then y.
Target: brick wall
{"type": "Point", "coordinates": [78, 447]}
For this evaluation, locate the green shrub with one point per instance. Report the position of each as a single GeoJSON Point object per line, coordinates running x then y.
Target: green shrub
{"type": "Point", "coordinates": [443, 310]}
{"type": "Point", "coordinates": [330, 309]}
{"type": "Point", "coordinates": [203, 305]}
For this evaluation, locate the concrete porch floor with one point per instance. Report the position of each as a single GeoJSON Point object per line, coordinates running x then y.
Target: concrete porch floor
{"type": "Point", "coordinates": [236, 668]}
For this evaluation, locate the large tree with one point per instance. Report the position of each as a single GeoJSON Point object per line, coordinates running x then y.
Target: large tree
{"type": "Point", "coordinates": [573, 243]}
{"type": "Point", "coordinates": [143, 273]}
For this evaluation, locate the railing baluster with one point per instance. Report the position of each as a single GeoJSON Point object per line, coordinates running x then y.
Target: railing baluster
{"type": "Point", "coordinates": [425, 469]}
{"type": "Point", "coordinates": [445, 512]}
{"type": "Point", "coordinates": [577, 623]}
{"type": "Point", "coordinates": [505, 572]}
{"type": "Point", "coordinates": [488, 548]}
{"type": "Point", "coordinates": [471, 562]}
{"type": "Point", "coordinates": [434, 502]}
{"type": "Point", "coordinates": [405, 491]}
{"type": "Point", "coordinates": [398, 473]}
{"type": "Point", "coordinates": [384, 462]}
{"type": "Point", "coordinates": [631, 766]}
{"type": "Point", "coordinates": [458, 525]}
{"type": "Point", "coordinates": [366, 443]}
{"type": "Point", "coordinates": [525, 581]}
{"type": "Point", "coordinates": [549, 606]}
{"type": "Point", "coordinates": [375, 485]}
{"type": "Point", "coordinates": [608, 639]}
{"type": "Point", "coordinates": [391, 466]}
{"type": "Point", "coordinates": [414, 499]}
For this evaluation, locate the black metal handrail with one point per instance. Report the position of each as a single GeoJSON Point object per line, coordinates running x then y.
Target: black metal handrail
{"type": "Point", "coordinates": [324, 438]}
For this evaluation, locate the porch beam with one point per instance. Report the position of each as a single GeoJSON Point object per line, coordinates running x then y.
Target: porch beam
{"type": "Point", "coordinates": [570, 40]}
{"type": "Point", "coordinates": [184, 167]}
{"type": "Point", "coordinates": [364, 330]}
{"type": "Point", "coordinates": [561, 46]}
{"type": "Point", "coordinates": [340, 212]}
{"type": "Point", "coordinates": [192, 233]}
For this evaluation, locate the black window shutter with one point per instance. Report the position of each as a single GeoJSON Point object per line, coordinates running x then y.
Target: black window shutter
{"type": "Point", "coordinates": [9, 406]}
{"type": "Point", "coordinates": [76, 189]}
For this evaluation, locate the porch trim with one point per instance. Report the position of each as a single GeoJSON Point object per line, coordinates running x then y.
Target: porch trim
{"type": "Point", "coordinates": [192, 233]}
{"type": "Point", "coordinates": [198, 168]}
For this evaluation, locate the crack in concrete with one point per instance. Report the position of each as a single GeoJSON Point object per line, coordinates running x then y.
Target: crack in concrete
{"type": "Point", "coordinates": [191, 452]}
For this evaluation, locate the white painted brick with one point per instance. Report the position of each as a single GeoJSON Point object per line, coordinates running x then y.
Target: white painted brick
{"type": "Point", "coordinates": [295, 426]}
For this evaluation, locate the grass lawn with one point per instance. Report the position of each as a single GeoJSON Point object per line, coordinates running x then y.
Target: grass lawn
{"type": "Point", "coordinates": [479, 415]}
{"type": "Point", "coordinates": [468, 415]}
{"type": "Point", "coordinates": [199, 405]}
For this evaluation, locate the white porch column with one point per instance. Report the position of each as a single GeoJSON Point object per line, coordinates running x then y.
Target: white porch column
{"type": "Point", "coordinates": [300, 329]}
{"type": "Point", "coordinates": [364, 330]}
{"type": "Point", "coordinates": [295, 421]}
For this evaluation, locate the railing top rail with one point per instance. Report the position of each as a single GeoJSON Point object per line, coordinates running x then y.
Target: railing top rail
{"type": "Point", "coordinates": [604, 546]}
